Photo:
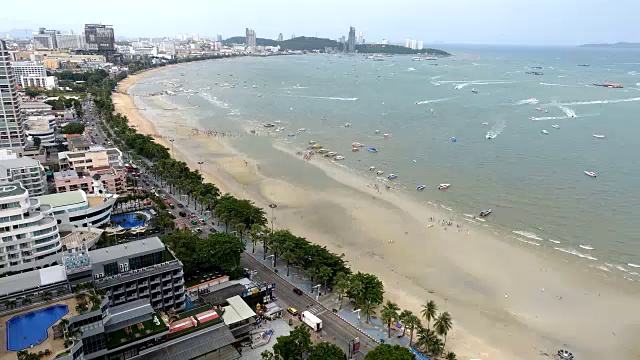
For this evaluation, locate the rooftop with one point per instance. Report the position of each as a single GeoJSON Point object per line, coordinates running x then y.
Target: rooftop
{"type": "Point", "coordinates": [32, 279]}
{"type": "Point", "coordinates": [66, 175]}
{"type": "Point", "coordinates": [128, 314]}
{"type": "Point", "coordinates": [18, 163]}
{"type": "Point", "coordinates": [97, 200]}
{"type": "Point", "coordinates": [237, 311]}
{"type": "Point", "coordinates": [126, 250]}
{"type": "Point", "coordinates": [11, 189]}
{"type": "Point", "coordinates": [136, 331]}
{"type": "Point", "coordinates": [193, 346]}
{"type": "Point", "coordinates": [63, 199]}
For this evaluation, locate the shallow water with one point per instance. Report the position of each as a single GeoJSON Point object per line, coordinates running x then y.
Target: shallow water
{"type": "Point", "coordinates": [534, 183]}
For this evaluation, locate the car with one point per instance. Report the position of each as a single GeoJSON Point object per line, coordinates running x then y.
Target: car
{"type": "Point", "coordinates": [182, 213]}
{"type": "Point", "coordinates": [180, 205]}
{"type": "Point", "coordinates": [213, 230]}
{"type": "Point", "coordinates": [297, 291]}
{"type": "Point", "coordinates": [292, 311]}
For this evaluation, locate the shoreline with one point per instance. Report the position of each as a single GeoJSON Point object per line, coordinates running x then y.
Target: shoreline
{"type": "Point", "coordinates": [363, 235]}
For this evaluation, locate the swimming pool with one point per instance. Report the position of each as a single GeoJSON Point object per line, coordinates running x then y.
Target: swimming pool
{"type": "Point", "coordinates": [30, 328]}
{"type": "Point", "coordinates": [129, 220]}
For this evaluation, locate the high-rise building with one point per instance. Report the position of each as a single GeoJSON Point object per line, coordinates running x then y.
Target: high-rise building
{"type": "Point", "coordinates": [30, 237]}
{"type": "Point", "coordinates": [250, 38]}
{"type": "Point", "coordinates": [196, 37]}
{"type": "Point", "coordinates": [31, 74]}
{"type": "Point", "coordinates": [219, 37]}
{"type": "Point", "coordinates": [361, 38]}
{"type": "Point", "coordinates": [70, 41]}
{"type": "Point", "coordinates": [407, 43]}
{"type": "Point", "coordinates": [29, 172]}
{"type": "Point", "coordinates": [280, 37]}
{"type": "Point", "coordinates": [99, 38]}
{"type": "Point", "coordinates": [12, 119]}
{"type": "Point", "coordinates": [293, 36]}
{"type": "Point", "coordinates": [420, 45]}
{"type": "Point", "coordinates": [414, 44]}
{"type": "Point", "coordinates": [384, 42]}
{"type": "Point", "coordinates": [351, 44]}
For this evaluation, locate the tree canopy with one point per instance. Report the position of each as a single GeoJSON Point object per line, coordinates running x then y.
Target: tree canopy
{"type": "Point", "coordinates": [396, 49]}
{"type": "Point", "coordinates": [386, 352]}
{"type": "Point", "coordinates": [297, 346]}
{"type": "Point", "coordinates": [217, 250]}
{"type": "Point", "coordinates": [73, 128]}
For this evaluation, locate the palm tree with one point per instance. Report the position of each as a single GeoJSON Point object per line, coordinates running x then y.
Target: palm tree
{"type": "Point", "coordinates": [46, 295]}
{"type": "Point", "coordinates": [437, 347]}
{"type": "Point", "coordinates": [425, 338]}
{"type": "Point", "coordinates": [11, 304]}
{"type": "Point", "coordinates": [368, 309]}
{"type": "Point", "coordinates": [140, 218]}
{"type": "Point", "coordinates": [64, 323]}
{"type": "Point", "coordinates": [412, 323]}
{"type": "Point", "coordinates": [442, 325]}
{"type": "Point", "coordinates": [429, 312]}
{"type": "Point", "coordinates": [340, 286]}
{"type": "Point", "coordinates": [26, 301]}
{"type": "Point", "coordinates": [254, 235]}
{"type": "Point", "coordinates": [389, 314]}
{"type": "Point", "coordinates": [451, 356]}
{"type": "Point", "coordinates": [404, 319]}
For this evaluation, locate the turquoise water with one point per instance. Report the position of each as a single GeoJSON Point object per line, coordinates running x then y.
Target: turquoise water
{"type": "Point", "coordinates": [30, 328]}
{"type": "Point", "coordinates": [534, 183]}
{"type": "Point", "coordinates": [129, 220]}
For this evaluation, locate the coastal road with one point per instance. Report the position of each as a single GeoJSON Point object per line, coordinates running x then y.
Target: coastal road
{"type": "Point", "coordinates": [334, 329]}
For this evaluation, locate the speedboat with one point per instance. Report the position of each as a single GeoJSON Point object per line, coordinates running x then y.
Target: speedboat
{"type": "Point", "coordinates": [485, 123]}
{"type": "Point", "coordinates": [379, 172]}
{"type": "Point", "coordinates": [356, 144]}
{"type": "Point", "coordinates": [443, 186]}
{"type": "Point", "coordinates": [420, 187]}
{"type": "Point", "coordinates": [532, 118]}
{"type": "Point", "coordinates": [474, 91]}
{"type": "Point", "coordinates": [311, 142]}
{"type": "Point", "coordinates": [268, 125]}
{"type": "Point", "coordinates": [339, 158]}
{"type": "Point", "coordinates": [371, 168]}
{"type": "Point", "coordinates": [590, 173]}
{"type": "Point", "coordinates": [323, 150]}
{"type": "Point", "coordinates": [292, 134]}
{"type": "Point", "coordinates": [373, 150]}
{"type": "Point", "coordinates": [539, 109]}
{"type": "Point", "coordinates": [600, 137]}
{"type": "Point", "coordinates": [485, 213]}
{"type": "Point", "coordinates": [544, 132]}
{"type": "Point", "coordinates": [331, 153]}
{"type": "Point", "coordinates": [555, 126]}
{"type": "Point", "coordinates": [490, 136]}
{"type": "Point", "coordinates": [377, 131]}
{"type": "Point", "coordinates": [355, 149]}
{"type": "Point", "coordinates": [302, 130]}
{"type": "Point", "coordinates": [392, 176]}
{"type": "Point", "coordinates": [347, 125]}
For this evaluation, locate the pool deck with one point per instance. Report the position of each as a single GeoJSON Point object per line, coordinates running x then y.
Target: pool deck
{"type": "Point", "coordinates": [54, 346]}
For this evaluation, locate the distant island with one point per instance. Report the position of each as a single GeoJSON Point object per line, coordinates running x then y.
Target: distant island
{"type": "Point", "coordinates": [618, 45]}
{"type": "Point", "coordinates": [395, 49]}
{"type": "Point", "coordinates": [303, 43]}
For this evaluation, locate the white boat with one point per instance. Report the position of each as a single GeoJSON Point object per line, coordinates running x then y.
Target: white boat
{"type": "Point", "coordinates": [539, 109]}
{"type": "Point", "coordinates": [555, 126]}
{"type": "Point", "coordinates": [347, 125]}
{"type": "Point", "coordinates": [339, 158]}
{"type": "Point", "coordinates": [392, 176]}
{"type": "Point", "coordinates": [490, 135]}
{"type": "Point", "coordinates": [356, 144]}
{"type": "Point", "coordinates": [420, 187]}
{"type": "Point", "coordinates": [377, 131]}
{"type": "Point", "coordinates": [474, 91]}
{"type": "Point", "coordinates": [312, 142]}
{"type": "Point", "coordinates": [544, 132]}
{"type": "Point", "coordinates": [600, 137]}
{"type": "Point", "coordinates": [416, 59]}
{"type": "Point", "coordinates": [371, 168]}
{"type": "Point", "coordinates": [268, 125]}
{"type": "Point", "coordinates": [331, 153]}
{"type": "Point", "coordinates": [485, 123]}
{"type": "Point", "coordinates": [380, 172]}
{"type": "Point", "coordinates": [443, 186]}
{"type": "Point", "coordinates": [323, 150]}
{"type": "Point", "coordinates": [302, 130]}
{"type": "Point", "coordinates": [590, 173]}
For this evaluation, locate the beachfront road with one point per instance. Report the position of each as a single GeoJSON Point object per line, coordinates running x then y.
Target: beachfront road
{"type": "Point", "coordinates": [334, 329]}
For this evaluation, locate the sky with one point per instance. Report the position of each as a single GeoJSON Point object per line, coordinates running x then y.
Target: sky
{"type": "Point", "coordinates": [526, 22]}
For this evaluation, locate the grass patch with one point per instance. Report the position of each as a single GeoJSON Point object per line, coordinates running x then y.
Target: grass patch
{"type": "Point", "coordinates": [149, 328]}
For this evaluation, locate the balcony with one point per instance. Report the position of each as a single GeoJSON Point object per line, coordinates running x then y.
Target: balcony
{"type": "Point", "coordinates": [155, 289]}
{"type": "Point", "coordinates": [156, 297]}
{"type": "Point", "coordinates": [168, 295]}
{"type": "Point", "coordinates": [132, 287]}
{"type": "Point", "coordinates": [155, 281]}
{"type": "Point", "coordinates": [167, 287]}
{"type": "Point", "coordinates": [143, 293]}
{"type": "Point", "coordinates": [166, 277]}
{"type": "Point", "coordinates": [179, 282]}
{"type": "Point", "coordinates": [143, 283]}
{"type": "Point", "coordinates": [118, 290]}
{"type": "Point", "coordinates": [132, 296]}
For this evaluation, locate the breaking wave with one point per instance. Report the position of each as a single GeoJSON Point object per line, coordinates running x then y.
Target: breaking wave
{"type": "Point", "coordinates": [432, 101]}
{"type": "Point", "coordinates": [324, 97]}
{"type": "Point", "coordinates": [527, 101]}
{"type": "Point", "coordinates": [528, 234]}
{"type": "Point", "coordinates": [576, 253]}
{"type": "Point", "coordinates": [593, 102]}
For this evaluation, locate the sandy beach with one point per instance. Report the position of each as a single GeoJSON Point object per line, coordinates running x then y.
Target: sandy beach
{"type": "Point", "coordinates": [508, 299]}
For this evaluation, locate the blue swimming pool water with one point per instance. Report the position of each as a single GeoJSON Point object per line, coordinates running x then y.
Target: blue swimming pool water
{"type": "Point", "coordinates": [129, 220]}
{"type": "Point", "coordinates": [30, 328]}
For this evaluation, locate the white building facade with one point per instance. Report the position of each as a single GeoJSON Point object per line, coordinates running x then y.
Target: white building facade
{"type": "Point", "coordinates": [29, 237]}
{"type": "Point", "coordinates": [76, 208]}
{"type": "Point", "coordinates": [29, 172]}
{"type": "Point", "coordinates": [12, 118]}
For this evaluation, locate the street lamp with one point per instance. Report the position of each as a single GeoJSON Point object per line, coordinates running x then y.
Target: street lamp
{"type": "Point", "coordinates": [272, 206]}
{"type": "Point", "coordinates": [200, 163]}
{"type": "Point", "coordinates": [172, 154]}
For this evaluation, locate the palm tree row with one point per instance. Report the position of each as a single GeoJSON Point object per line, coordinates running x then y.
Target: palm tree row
{"type": "Point", "coordinates": [429, 340]}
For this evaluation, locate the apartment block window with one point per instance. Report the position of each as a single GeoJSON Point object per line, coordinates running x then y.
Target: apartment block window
{"type": "Point", "coordinates": [111, 269]}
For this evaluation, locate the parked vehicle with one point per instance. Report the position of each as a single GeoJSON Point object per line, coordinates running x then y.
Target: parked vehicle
{"type": "Point", "coordinates": [313, 321]}
{"type": "Point", "coordinates": [297, 291]}
{"type": "Point", "coordinates": [292, 311]}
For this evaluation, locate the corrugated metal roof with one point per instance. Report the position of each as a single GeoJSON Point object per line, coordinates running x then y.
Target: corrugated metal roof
{"type": "Point", "coordinates": [241, 307]}
{"type": "Point", "coordinates": [128, 314]}
{"type": "Point", "coordinates": [32, 279]}
{"type": "Point", "coordinates": [63, 199]}
{"type": "Point", "coordinates": [128, 250]}
{"type": "Point", "coordinates": [213, 341]}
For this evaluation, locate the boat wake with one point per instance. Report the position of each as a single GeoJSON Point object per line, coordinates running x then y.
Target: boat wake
{"type": "Point", "coordinates": [435, 83]}
{"type": "Point", "coordinates": [527, 101]}
{"type": "Point", "coordinates": [460, 86]}
{"type": "Point", "coordinates": [594, 102]}
{"type": "Point", "coordinates": [323, 97]}
{"type": "Point", "coordinates": [569, 112]}
{"type": "Point", "coordinates": [496, 130]}
{"type": "Point", "coordinates": [432, 101]}
{"type": "Point", "coordinates": [586, 247]}
{"type": "Point", "coordinates": [563, 85]}
{"type": "Point", "coordinates": [214, 100]}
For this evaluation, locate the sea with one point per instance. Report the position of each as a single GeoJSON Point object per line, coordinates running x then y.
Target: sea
{"type": "Point", "coordinates": [438, 115]}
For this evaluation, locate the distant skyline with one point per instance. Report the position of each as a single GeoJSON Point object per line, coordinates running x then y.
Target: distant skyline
{"type": "Point", "coordinates": [526, 22]}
